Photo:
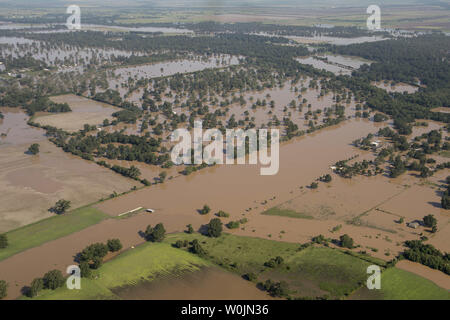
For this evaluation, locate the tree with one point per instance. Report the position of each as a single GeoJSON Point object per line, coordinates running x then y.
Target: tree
{"type": "Point", "coordinates": [3, 241]}
{"type": "Point", "coordinates": [85, 269]}
{"type": "Point", "coordinates": [215, 228]}
{"type": "Point", "coordinates": [61, 206]}
{"type": "Point", "coordinates": [114, 245]}
{"type": "Point", "coordinates": [346, 241]}
{"type": "Point", "coordinates": [155, 234]}
{"type": "Point", "coordinates": [36, 285]}
{"type": "Point", "coordinates": [205, 210]}
{"type": "Point", "coordinates": [97, 262]}
{"type": "Point", "coordinates": [95, 250]}
{"type": "Point", "coordinates": [3, 289]}
{"type": "Point", "coordinates": [34, 149]}
{"type": "Point", "coordinates": [314, 185]}
{"type": "Point", "coordinates": [53, 279]}
{"type": "Point", "coordinates": [429, 221]}
{"type": "Point", "coordinates": [190, 229]}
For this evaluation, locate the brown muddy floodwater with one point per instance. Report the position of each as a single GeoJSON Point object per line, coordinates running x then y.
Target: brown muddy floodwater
{"type": "Point", "coordinates": [14, 129]}
{"type": "Point", "coordinates": [207, 284]}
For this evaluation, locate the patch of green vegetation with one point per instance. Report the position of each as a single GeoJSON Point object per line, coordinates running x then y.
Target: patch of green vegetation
{"type": "Point", "coordinates": [143, 263]}
{"type": "Point", "coordinates": [445, 153]}
{"type": "Point", "coordinates": [397, 284]}
{"type": "Point", "coordinates": [275, 211]}
{"type": "Point", "coordinates": [236, 253]}
{"type": "Point", "coordinates": [55, 227]}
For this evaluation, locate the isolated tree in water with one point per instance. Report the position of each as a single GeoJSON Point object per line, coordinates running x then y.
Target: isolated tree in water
{"type": "Point", "coordinates": [34, 149]}
{"type": "Point", "coordinates": [429, 221]}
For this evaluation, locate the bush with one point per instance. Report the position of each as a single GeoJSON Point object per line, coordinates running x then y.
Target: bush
{"type": "Point", "coordinates": [276, 289]}
{"type": "Point", "coordinates": [250, 276]}
{"type": "Point", "coordinates": [233, 225]}
{"type": "Point", "coordinates": [53, 280]}
{"type": "Point", "coordinates": [274, 262]}
{"type": "Point", "coordinates": [197, 248]}
{"type": "Point", "coordinates": [222, 214]}
{"type": "Point", "coordinates": [114, 245]}
{"type": "Point", "coordinates": [205, 210]}
{"type": "Point", "coordinates": [190, 229]}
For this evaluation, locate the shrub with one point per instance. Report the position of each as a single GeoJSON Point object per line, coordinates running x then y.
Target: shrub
{"type": "Point", "coordinates": [114, 245]}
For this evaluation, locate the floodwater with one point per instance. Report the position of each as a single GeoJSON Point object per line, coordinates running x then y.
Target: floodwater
{"type": "Point", "coordinates": [336, 63]}
{"type": "Point", "coordinates": [400, 87]}
{"type": "Point", "coordinates": [335, 40]}
{"type": "Point", "coordinates": [84, 111]}
{"type": "Point", "coordinates": [14, 129]}
{"type": "Point", "coordinates": [206, 284]}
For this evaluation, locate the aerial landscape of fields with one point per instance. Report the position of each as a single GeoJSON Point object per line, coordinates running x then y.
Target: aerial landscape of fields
{"type": "Point", "coordinates": [224, 150]}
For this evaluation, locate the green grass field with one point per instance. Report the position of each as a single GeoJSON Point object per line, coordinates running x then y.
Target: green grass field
{"type": "Point", "coordinates": [397, 284]}
{"type": "Point", "coordinates": [143, 263]}
{"type": "Point", "coordinates": [49, 229]}
{"type": "Point", "coordinates": [286, 213]}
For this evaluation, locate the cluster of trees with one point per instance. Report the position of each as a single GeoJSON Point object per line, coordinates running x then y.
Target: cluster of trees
{"type": "Point", "coordinates": [155, 234]}
{"type": "Point", "coordinates": [275, 289]}
{"type": "Point", "coordinates": [215, 228]}
{"type": "Point", "coordinates": [52, 280]}
{"type": "Point", "coordinates": [427, 255]}
{"type": "Point", "coordinates": [60, 207]}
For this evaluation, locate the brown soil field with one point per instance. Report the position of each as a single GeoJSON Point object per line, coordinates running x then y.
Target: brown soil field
{"type": "Point", "coordinates": [84, 111]}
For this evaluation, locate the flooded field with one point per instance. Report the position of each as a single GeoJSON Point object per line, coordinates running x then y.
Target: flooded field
{"type": "Point", "coordinates": [207, 284]}
{"type": "Point", "coordinates": [84, 111]}
{"type": "Point", "coordinates": [14, 129]}
{"type": "Point", "coordinates": [335, 40]}
{"type": "Point", "coordinates": [400, 87]}
{"type": "Point", "coordinates": [339, 65]}
{"type": "Point", "coordinates": [30, 185]}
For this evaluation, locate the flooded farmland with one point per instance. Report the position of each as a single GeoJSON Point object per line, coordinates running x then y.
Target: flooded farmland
{"type": "Point", "coordinates": [84, 111]}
